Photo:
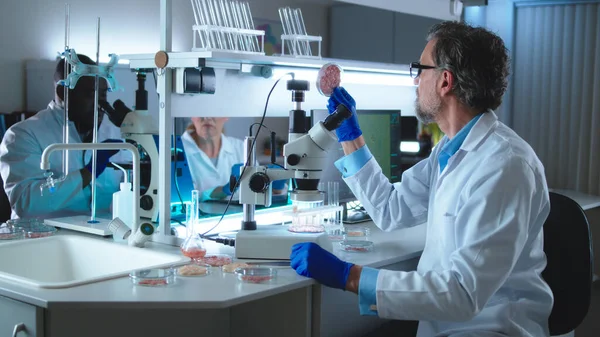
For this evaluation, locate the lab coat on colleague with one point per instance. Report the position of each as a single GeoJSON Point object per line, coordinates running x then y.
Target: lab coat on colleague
{"type": "Point", "coordinates": [205, 175]}
{"type": "Point", "coordinates": [483, 257]}
{"type": "Point", "coordinates": [20, 156]}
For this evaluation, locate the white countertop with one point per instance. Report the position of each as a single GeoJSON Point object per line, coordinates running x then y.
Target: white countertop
{"type": "Point", "coordinates": [218, 290]}
{"type": "Point", "coordinates": [586, 201]}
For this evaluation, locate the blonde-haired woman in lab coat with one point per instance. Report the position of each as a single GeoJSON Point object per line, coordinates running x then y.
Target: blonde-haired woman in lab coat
{"type": "Point", "coordinates": [211, 156]}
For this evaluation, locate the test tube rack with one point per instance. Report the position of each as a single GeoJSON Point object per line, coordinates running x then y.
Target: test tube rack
{"type": "Point", "coordinates": [224, 25]}
{"type": "Point", "coordinates": [295, 36]}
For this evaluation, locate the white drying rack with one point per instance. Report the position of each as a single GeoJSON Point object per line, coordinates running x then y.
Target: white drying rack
{"type": "Point", "coordinates": [295, 42]}
{"type": "Point", "coordinates": [236, 40]}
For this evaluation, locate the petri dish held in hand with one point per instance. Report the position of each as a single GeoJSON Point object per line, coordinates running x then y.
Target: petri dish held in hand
{"type": "Point", "coordinates": [329, 78]}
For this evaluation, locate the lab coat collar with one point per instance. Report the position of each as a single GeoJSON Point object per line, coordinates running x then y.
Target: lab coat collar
{"type": "Point", "coordinates": [479, 131]}
{"type": "Point", "coordinates": [58, 113]}
{"type": "Point", "coordinates": [226, 145]}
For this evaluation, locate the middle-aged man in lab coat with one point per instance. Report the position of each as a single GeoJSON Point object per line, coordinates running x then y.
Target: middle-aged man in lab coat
{"type": "Point", "coordinates": [482, 192]}
{"type": "Point", "coordinates": [24, 142]}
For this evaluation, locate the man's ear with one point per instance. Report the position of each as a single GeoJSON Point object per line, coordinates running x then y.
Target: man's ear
{"type": "Point", "coordinates": [60, 92]}
{"type": "Point", "coordinates": [447, 80]}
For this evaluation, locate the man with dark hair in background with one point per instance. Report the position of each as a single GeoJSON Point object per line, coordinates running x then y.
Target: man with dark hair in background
{"type": "Point", "coordinates": [24, 142]}
{"type": "Point", "coordinates": [482, 193]}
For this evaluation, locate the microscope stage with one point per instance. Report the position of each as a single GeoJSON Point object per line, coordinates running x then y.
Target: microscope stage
{"type": "Point", "coordinates": [274, 242]}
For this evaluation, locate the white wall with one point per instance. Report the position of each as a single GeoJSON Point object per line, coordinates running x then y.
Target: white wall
{"type": "Point", "coordinates": [34, 30]}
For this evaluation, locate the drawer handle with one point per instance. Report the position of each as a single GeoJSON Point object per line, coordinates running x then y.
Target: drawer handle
{"type": "Point", "coordinates": [18, 328]}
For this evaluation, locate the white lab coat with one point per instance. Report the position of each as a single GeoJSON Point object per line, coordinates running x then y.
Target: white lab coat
{"type": "Point", "coordinates": [205, 175]}
{"type": "Point", "coordinates": [480, 271]}
{"type": "Point", "coordinates": [20, 156]}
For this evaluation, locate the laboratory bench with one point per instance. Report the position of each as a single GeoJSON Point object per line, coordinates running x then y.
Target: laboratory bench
{"type": "Point", "coordinates": [215, 305]}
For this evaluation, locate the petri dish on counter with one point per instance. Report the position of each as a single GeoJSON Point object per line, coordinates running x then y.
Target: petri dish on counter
{"type": "Point", "coordinates": [159, 277]}
{"type": "Point", "coordinates": [356, 233]}
{"type": "Point", "coordinates": [357, 246]}
{"type": "Point", "coordinates": [33, 228]}
{"type": "Point", "coordinates": [193, 270]}
{"type": "Point", "coordinates": [217, 260]}
{"type": "Point", "coordinates": [11, 233]}
{"type": "Point", "coordinates": [256, 275]}
{"type": "Point", "coordinates": [230, 268]}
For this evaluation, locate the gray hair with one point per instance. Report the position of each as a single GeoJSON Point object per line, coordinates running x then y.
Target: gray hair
{"type": "Point", "coordinates": [478, 60]}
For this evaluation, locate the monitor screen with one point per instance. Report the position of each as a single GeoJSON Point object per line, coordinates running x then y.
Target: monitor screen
{"type": "Point", "coordinates": [382, 132]}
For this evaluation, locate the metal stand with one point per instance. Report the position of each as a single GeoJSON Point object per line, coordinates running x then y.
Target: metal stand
{"type": "Point", "coordinates": [248, 222]}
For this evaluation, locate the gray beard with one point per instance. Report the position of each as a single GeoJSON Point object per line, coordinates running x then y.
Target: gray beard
{"type": "Point", "coordinates": [425, 117]}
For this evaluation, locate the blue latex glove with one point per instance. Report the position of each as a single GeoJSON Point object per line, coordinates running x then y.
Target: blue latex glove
{"type": "Point", "coordinates": [102, 157]}
{"type": "Point", "coordinates": [235, 171]}
{"type": "Point", "coordinates": [349, 130]}
{"type": "Point", "coordinates": [278, 184]}
{"type": "Point", "coordinates": [310, 260]}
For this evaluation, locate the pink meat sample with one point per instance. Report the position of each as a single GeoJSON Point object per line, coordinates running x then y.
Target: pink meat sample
{"type": "Point", "coordinates": [256, 279]}
{"type": "Point", "coordinates": [329, 78]}
{"type": "Point", "coordinates": [153, 283]}
{"type": "Point", "coordinates": [217, 260]}
{"type": "Point", "coordinates": [194, 253]}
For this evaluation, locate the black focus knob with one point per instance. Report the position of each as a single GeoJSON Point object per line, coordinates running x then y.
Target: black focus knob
{"type": "Point", "coordinates": [146, 202]}
{"type": "Point", "coordinates": [293, 159]}
{"type": "Point", "coordinates": [259, 182]}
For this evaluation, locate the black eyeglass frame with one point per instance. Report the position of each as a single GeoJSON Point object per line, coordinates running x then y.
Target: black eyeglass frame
{"type": "Point", "coordinates": [419, 67]}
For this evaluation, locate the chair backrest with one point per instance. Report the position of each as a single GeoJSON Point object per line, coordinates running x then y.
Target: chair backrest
{"type": "Point", "coordinates": [569, 272]}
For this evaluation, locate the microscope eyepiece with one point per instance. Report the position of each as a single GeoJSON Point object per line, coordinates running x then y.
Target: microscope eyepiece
{"type": "Point", "coordinates": [336, 119]}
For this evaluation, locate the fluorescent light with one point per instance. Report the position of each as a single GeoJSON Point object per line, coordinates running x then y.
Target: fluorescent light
{"type": "Point", "coordinates": [410, 147]}
{"type": "Point", "coordinates": [352, 77]}
{"type": "Point", "coordinates": [377, 79]}
{"type": "Point", "coordinates": [300, 74]}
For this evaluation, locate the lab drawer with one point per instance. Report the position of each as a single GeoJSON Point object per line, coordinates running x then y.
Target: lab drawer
{"type": "Point", "coordinates": [27, 317]}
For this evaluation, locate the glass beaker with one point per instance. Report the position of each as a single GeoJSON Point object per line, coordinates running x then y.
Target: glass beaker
{"type": "Point", "coordinates": [193, 247]}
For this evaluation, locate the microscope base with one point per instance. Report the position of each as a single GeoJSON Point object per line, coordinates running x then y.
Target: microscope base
{"type": "Point", "coordinates": [274, 242]}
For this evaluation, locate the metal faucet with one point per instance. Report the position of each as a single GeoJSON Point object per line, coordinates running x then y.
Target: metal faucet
{"type": "Point", "coordinates": [45, 165]}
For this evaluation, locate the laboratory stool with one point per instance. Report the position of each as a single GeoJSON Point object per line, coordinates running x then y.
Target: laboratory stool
{"type": "Point", "coordinates": [569, 270]}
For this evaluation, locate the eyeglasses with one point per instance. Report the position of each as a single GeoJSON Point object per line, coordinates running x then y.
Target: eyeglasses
{"type": "Point", "coordinates": [416, 68]}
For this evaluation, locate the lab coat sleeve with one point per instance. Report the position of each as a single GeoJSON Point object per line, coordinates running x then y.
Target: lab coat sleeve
{"type": "Point", "coordinates": [391, 206]}
{"type": "Point", "coordinates": [20, 168]}
{"type": "Point", "coordinates": [352, 163]}
{"type": "Point", "coordinates": [367, 291]}
{"type": "Point", "coordinates": [489, 233]}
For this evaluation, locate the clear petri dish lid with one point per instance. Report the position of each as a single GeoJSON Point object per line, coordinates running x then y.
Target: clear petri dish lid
{"type": "Point", "coordinates": [33, 228]}
{"type": "Point", "coordinates": [217, 260]}
{"type": "Point", "coordinates": [329, 78]}
{"type": "Point", "coordinates": [256, 274]}
{"type": "Point", "coordinates": [230, 268]}
{"type": "Point", "coordinates": [356, 232]}
{"type": "Point", "coordinates": [194, 270]}
{"type": "Point", "coordinates": [158, 277]}
{"type": "Point", "coordinates": [355, 246]}
{"type": "Point", "coordinates": [11, 233]}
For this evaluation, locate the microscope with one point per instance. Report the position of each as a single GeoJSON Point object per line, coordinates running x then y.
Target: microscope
{"type": "Point", "coordinates": [139, 129]}
{"type": "Point", "coordinates": [305, 158]}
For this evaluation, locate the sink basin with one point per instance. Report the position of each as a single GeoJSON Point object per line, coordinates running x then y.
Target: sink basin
{"type": "Point", "coordinates": [66, 261]}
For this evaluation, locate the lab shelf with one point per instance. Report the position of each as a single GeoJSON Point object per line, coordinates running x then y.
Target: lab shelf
{"type": "Point", "coordinates": [228, 60]}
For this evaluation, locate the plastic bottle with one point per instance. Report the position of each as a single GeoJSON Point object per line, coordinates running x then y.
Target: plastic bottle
{"type": "Point", "coordinates": [122, 203]}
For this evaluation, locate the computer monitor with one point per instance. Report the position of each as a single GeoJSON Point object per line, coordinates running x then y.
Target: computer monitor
{"type": "Point", "coordinates": [382, 132]}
